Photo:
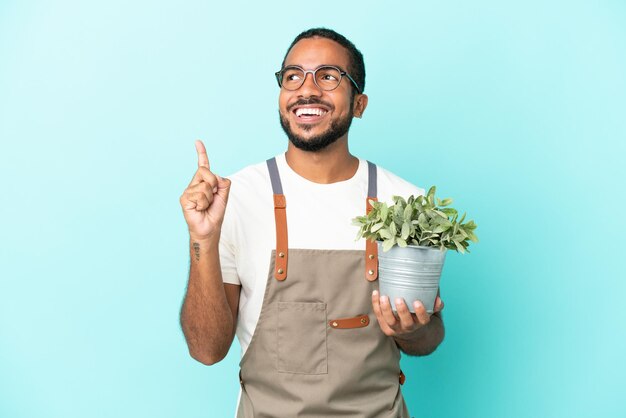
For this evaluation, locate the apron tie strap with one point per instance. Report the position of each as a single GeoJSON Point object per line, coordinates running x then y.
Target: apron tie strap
{"type": "Point", "coordinates": [280, 215]}
{"type": "Point", "coordinates": [371, 247]}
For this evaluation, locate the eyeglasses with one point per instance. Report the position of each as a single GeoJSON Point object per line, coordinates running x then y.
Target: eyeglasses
{"type": "Point", "coordinates": [326, 77]}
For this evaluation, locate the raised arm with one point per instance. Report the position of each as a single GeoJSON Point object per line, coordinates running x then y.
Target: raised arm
{"type": "Point", "coordinates": [208, 315]}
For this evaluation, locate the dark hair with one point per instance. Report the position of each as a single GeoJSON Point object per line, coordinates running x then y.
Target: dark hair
{"type": "Point", "coordinates": [356, 66]}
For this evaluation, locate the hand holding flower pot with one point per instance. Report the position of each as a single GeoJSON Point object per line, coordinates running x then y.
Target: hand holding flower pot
{"type": "Point", "coordinates": [413, 237]}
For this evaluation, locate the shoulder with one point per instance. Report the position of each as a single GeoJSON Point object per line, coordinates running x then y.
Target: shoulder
{"type": "Point", "coordinates": [250, 175]}
{"type": "Point", "coordinates": [390, 184]}
{"type": "Point", "coordinates": [249, 181]}
{"type": "Point", "coordinates": [250, 191]}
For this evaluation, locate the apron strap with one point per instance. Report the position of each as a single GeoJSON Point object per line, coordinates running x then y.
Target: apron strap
{"type": "Point", "coordinates": [371, 247]}
{"type": "Point", "coordinates": [280, 216]}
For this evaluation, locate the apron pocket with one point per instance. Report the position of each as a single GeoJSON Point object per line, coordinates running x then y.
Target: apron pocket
{"type": "Point", "coordinates": [302, 338]}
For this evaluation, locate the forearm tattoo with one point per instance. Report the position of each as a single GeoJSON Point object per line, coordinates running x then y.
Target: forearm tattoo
{"type": "Point", "coordinates": [196, 250]}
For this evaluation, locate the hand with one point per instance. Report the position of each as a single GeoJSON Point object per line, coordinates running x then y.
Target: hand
{"type": "Point", "coordinates": [404, 323]}
{"type": "Point", "coordinates": [204, 200]}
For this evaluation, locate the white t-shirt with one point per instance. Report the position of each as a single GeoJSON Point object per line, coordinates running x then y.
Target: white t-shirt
{"type": "Point", "coordinates": [319, 216]}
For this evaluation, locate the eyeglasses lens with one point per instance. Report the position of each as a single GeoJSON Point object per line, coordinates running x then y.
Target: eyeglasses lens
{"type": "Point", "coordinates": [326, 78]}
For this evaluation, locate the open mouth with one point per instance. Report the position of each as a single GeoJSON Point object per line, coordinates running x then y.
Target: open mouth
{"type": "Point", "coordinates": [310, 114]}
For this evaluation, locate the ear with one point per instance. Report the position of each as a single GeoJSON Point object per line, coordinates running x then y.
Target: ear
{"type": "Point", "coordinates": [359, 105]}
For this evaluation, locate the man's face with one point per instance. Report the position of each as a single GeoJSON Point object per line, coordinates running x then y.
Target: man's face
{"type": "Point", "coordinates": [329, 113]}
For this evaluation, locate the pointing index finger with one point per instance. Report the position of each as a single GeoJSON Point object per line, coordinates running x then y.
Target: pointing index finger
{"type": "Point", "coordinates": [203, 158]}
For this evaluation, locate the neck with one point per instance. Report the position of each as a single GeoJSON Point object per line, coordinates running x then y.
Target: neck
{"type": "Point", "coordinates": [330, 165]}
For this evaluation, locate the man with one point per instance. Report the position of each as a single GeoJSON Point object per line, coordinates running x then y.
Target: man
{"type": "Point", "coordinates": [309, 349]}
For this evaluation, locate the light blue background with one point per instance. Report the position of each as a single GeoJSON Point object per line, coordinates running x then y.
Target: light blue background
{"type": "Point", "coordinates": [515, 109]}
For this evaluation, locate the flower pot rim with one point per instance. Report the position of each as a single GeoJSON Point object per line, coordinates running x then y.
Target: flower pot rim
{"type": "Point", "coordinates": [427, 247]}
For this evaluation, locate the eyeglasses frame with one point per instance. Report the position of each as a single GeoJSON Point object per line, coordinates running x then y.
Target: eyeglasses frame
{"type": "Point", "coordinates": [342, 73]}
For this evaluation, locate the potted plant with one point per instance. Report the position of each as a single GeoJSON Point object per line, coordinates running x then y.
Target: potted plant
{"type": "Point", "coordinates": [413, 236]}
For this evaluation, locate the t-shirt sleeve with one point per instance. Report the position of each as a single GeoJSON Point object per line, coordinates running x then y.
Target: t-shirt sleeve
{"type": "Point", "coordinates": [392, 185]}
{"type": "Point", "coordinates": [227, 248]}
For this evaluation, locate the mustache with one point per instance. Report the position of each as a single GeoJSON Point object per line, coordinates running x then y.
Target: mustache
{"type": "Point", "coordinates": [309, 101]}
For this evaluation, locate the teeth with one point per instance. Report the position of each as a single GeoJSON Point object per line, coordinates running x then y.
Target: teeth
{"type": "Point", "coordinates": [310, 111]}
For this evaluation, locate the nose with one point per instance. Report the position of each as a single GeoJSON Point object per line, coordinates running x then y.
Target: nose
{"type": "Point", "coordinates": [308, 87]}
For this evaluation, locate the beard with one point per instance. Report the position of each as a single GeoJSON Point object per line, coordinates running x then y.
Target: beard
{"type": "Point", "coordinates": [337, 129]}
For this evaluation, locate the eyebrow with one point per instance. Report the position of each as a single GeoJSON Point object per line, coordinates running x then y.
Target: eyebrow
{"type": "Point", "coordinates": [319, 66]}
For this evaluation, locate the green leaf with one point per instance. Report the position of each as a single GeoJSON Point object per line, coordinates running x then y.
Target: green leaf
{"type": "Point", "coordinates": [398, 211]}
{"type": "Point", "coordinates": [387, 244]}
{"type": "Point", "coordinates": [449, 211]}
{"type": "Point", "coordinates": [431, 213]}
{"type": "Point", "coordinates": [423, 222]}
{"type": "Point", "coordinates": [406, 229]}
{"type": "Point", "coordinates": [377, 226]}
{"type": "Point", "coordinates": [385, 233]}
{"type": "Point", "coordinates": [401, 242]}
{"type": "Point", "coordinates": [442, 214]}
{"type": "Point", "coordinates": [408, 211]}
{"type": "Point", "coordinates": [445, 202]}
{"type": "Point", "coordinates": [399, 200]}
{"type": "Point", "coordinates": [431, 194]}
{"type": "Point", "coordinates": [384, 211]}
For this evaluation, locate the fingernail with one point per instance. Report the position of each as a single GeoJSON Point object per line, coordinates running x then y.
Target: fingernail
{"type": "Point", "coordinates": [375, 293]}
{"type": "Point", "coordinates": [399, 301]}
{"type": "Point", "coordinates": [384, 299]}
